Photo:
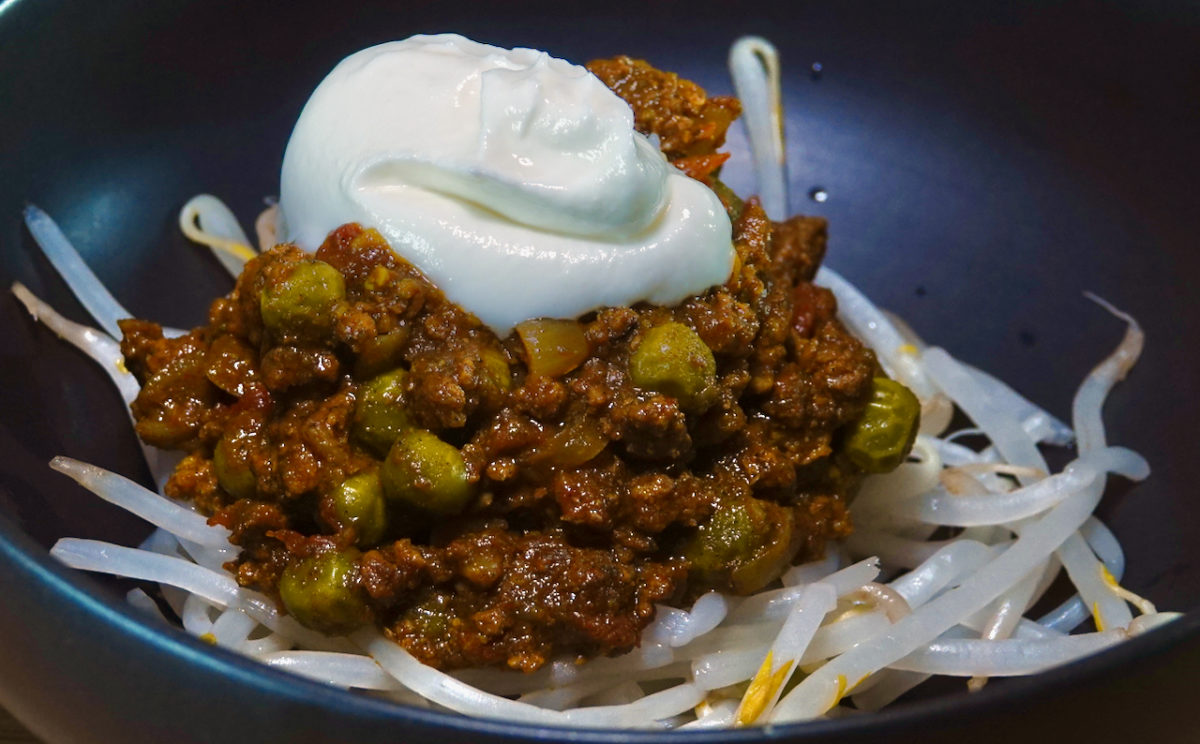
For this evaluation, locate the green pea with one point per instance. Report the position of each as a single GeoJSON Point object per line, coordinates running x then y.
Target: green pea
{"type": "Point", "coordinates": [427, 474]}
{"type": "Point", "coordinates": [673, 360]}
{"type": "Point", "coordinates": [745, 545]}
{"type": "Point", "coordinates": [773, 556]}
{"type": "Point", "coordinates": [322, 592]}
{"type": "Point", "coordinates": [359, 502]}
{"type": "Point", "coordinates": [231, 464]}
{"type": "Point", "coordinates": [730, 535]}
{"type": "Point", "coordinates": [883, 437]}
{"type": "Point", "coordinates": [301, 303]}
{"type": "Point", "coordinates": [379, 413]}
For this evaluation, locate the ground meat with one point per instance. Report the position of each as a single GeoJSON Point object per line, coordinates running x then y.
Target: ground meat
{"type": "Point", "coordinates": [176, 397]}
{"type": "Point", "coordinates": [560, 507]}
{"type": "Point", "coordinates": [516, 600]}
{"type": "Point", "coordinates": [687, 121]}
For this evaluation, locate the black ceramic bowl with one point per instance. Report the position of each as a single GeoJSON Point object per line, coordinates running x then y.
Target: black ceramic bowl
{"type": "Point", "coordinates": [984, 164]}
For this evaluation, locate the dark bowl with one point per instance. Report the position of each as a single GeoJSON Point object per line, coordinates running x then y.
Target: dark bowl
{"type": "Point", "coordinates": [984, 164]}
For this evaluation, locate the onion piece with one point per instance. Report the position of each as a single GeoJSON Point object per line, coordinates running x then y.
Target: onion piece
{"type": "Point", "coordinates": [553, 347]}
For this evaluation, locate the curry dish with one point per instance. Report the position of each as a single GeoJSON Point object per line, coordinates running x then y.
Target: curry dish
{"type": "Point", "coordinates": [382, 457]}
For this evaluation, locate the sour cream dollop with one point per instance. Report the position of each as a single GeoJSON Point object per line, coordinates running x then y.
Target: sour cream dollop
{"type": "Point", "coordinates": [514, 180]}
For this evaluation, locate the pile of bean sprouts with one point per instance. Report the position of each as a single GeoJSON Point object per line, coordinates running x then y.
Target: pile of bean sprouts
{"type": "Point", "coordinates": [894, 604]}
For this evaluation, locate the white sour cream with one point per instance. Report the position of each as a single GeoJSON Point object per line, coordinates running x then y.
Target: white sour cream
{"type": "Point", "coordinates": [515, 181]}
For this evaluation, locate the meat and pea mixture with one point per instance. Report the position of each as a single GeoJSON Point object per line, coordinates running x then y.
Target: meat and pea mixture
{"type": "Point", "coordinates": [382, 457]}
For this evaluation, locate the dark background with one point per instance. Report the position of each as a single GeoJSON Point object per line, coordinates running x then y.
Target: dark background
{"type": "Point", "coordinates": [985, 164]}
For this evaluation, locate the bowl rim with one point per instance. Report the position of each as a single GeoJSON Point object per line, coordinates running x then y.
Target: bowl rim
{"type": "Point", "coordinates": [74, 589]}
